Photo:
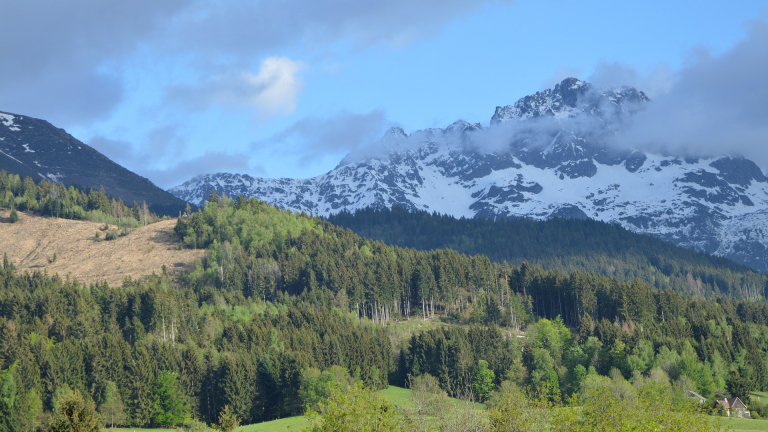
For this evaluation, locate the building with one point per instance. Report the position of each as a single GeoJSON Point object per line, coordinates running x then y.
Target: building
{"type": "Point", "coordinates": [732, 407]}
{"type": "Point", "coordinates": [696, 397]}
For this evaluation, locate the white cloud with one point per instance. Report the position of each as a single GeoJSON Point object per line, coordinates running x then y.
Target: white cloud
{"type": "Point", "coordinates": [315, 137]}
{"type": "Point", "coordinates": [715, 104]}
{"type": "Point", "coordinates": [273, 90]}
{"type": "Point", "coordinates": [55, 53]}
{"type": "Point", "coordinates": [659, 81]}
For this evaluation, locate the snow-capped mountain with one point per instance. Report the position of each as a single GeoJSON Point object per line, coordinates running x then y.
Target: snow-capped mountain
{"type": "Point", "coordinates": [548, 155]}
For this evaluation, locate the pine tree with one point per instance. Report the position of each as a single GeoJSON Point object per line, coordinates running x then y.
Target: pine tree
{"type": "Point", "coordinates": [14, 215]}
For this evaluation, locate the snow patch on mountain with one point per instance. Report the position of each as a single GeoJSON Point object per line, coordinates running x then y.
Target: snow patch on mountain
{"type": "Point", "coordinates": [545, 156]}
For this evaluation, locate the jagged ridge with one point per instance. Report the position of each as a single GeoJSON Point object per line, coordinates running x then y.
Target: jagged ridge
{"type": "Point", "coordinates": [545, 156]}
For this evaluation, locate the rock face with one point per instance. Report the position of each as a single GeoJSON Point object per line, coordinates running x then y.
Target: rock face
{"type": "Point", "coordinates": [35, 148]}
{"type": "Point", "coordinates": [545, 156]}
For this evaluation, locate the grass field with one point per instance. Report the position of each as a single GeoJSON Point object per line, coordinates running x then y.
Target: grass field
{"type": "Point", "coordinates": [396, 395]}
{"type": "Point", "coordinates": [402, 398]}
{"type": "Point", "coordinates": [745, 425]}
{"type": "Point", "coordinates": [297, 423]}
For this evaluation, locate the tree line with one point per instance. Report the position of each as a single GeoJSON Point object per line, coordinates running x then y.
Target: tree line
{"type": "Point", "coordinates": [57, 200]}
{"type": "Point", "coordinates": [565, 245]}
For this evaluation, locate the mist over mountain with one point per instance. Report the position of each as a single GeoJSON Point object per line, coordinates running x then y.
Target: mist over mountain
{"type": "Point", "coordinates": [561, 152]}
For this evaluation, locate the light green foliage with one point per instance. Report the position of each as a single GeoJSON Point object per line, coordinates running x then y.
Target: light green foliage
{"type": "Point", "coordinates": [112, 409]}
{"type": "Point", "coordinates": [51, 199]}
{"type": "Point", "coordinates": [483, 381]}
{"type": "Point", "coordinates": [228, 420]}
{"type": "Point", "coordinates": [75, 414]}
{"type": "Point", "coordinates": [356, 409]}
{"type": "Point", "coordinates": [193, 426]}
{"type": "Point", "coordinates": [428, 398]}
{"type": "Point", "coordinates": [171, 405]}
{"type": "Point", "coordinates": [511, 411]}
{"type": "Point", "coordinates": [652, 408]}
{"type": "Point", "coordinates": [252, 223]}
{"type": "Point", "coordinates": [60, 394]}
{"type": "Point", "coordinates": [315, 386]}
{"type": "Point", "coordinates": [553, 336]}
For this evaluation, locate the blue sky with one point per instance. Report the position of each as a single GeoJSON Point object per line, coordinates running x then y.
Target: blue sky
{"type": "Point", "coordinates": [286, 88]}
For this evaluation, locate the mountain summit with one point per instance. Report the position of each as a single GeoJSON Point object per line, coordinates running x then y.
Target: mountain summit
{"type": "Point", "coordinates": [551, 154]}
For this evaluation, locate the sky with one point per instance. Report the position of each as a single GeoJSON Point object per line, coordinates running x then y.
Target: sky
{"type": "Point", "coordinates": [286, 88]}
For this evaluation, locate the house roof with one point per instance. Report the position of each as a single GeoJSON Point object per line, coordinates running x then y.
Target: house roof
{"type": "Point", "coordinates": [729, 403]}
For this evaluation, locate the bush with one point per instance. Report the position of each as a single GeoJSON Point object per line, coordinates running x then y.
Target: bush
{"type": "Point", "coordinates": [74, 414]}
{"type": "Point", "coordinates": [228, 420]}
{"type": "Point", "coordinates": [111, 235]}
{"type": "Point", "coordinates": [14, 216]}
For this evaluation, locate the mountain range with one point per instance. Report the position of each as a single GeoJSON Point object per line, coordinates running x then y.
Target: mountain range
{"type": "Point", "coordinates": [31, 147]}
{"type": "Point", "coordinates": [551, 154]}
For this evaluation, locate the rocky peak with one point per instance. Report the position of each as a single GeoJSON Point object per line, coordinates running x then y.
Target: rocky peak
{"type": "Point", "coordinates": [462, 126]}
{"type": "Point", "coordinates": [568, 98]}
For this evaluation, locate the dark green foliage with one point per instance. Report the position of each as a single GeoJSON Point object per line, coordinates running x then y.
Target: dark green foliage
{"type": "Point", "coordinates": [166, 347]}
{"type": "Point", "coordinates": [14, 216]}
{"type": "Point", "coordinates": [566, 245]}
{"type": "Point", "coordinates": [279, 295]}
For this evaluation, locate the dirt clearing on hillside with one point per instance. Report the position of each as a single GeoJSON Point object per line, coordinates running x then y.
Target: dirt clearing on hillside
{"type": "Point", "coordinates": [32, 242]}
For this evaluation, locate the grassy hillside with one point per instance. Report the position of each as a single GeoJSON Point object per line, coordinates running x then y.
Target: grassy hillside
{"type": "Point", "coordinates": [70, 247]}
{"type": "Point", "coordinates": [565, 245]}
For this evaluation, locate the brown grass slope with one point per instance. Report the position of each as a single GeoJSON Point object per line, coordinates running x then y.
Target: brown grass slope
{"type": "Point", "coordinates": [32, 242]}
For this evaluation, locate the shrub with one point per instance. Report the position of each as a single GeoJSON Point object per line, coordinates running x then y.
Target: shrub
{"type": "Point", "coordinates": [75, 414]}
{"type": "Point", "coordinates": [14, 216]}
{"type": "Point", "coordinates": [228, 420]}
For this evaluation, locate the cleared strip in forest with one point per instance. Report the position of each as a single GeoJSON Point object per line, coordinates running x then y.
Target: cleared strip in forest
{"type": "Point", "coordinates": [32, 242]}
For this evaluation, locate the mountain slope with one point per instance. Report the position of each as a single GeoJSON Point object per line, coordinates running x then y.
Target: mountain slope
{"type": "Point", "coordinates": [550, 154]}
{"type": "Point", "coordinates": [35, 148]}
{"type": "Point", "coordinates": [565, 245]}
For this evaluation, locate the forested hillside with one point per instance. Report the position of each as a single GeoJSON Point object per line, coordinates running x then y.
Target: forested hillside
{"type": "Point", "coordinates": [565, 245]}
{"type": "Point", "coordinates": [283, 304]}
{"type": "Point", "coordinates": [55, 199]}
